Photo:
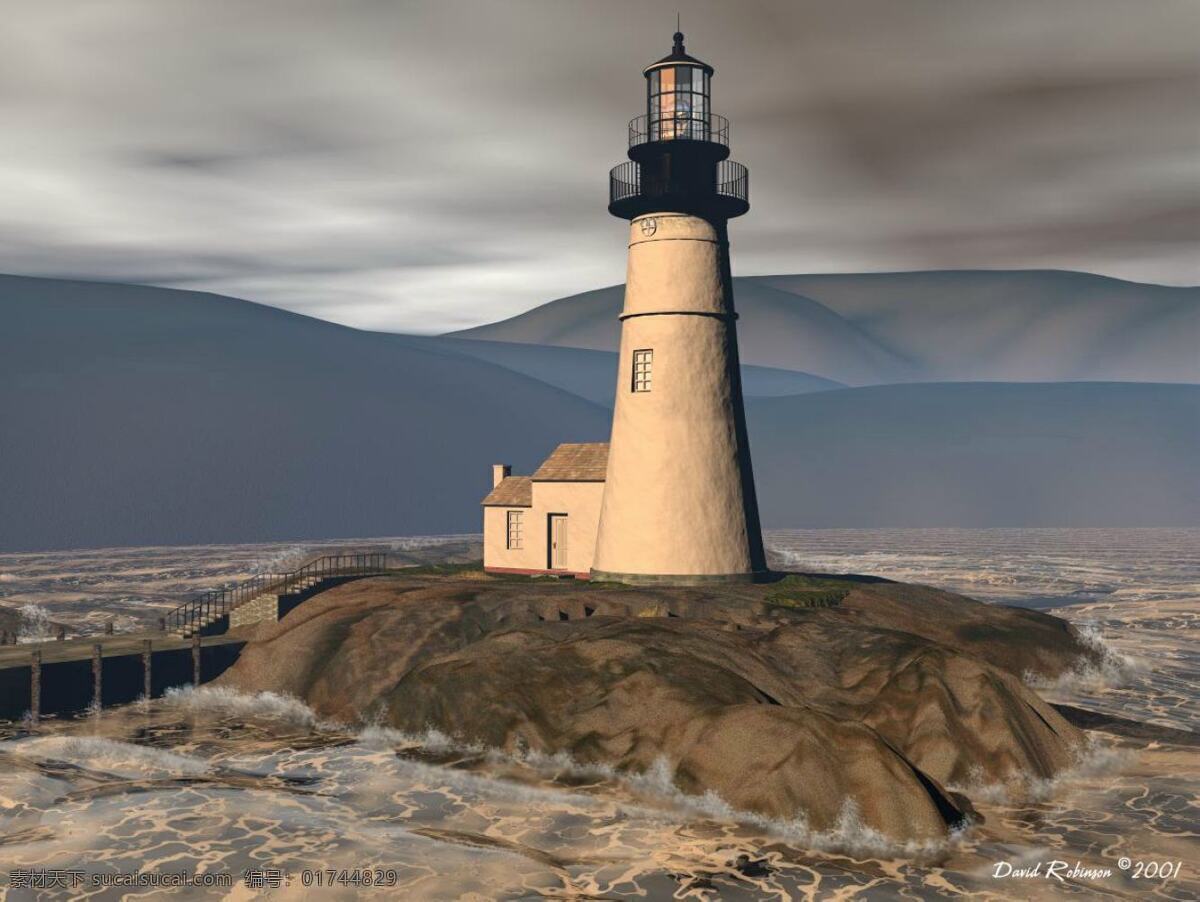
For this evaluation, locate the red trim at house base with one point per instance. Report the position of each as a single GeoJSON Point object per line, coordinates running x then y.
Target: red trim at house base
{"type": "Point", "coordinates": [518, 571]}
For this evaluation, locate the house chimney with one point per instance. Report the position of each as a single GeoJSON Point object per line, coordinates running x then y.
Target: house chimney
{"type": "Point", "coordinates": [499, 473]}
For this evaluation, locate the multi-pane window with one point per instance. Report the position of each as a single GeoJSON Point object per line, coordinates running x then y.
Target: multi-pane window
{"type": "Point", "coordinates": [678, 103]}
{"type": "Point", "coordinates": [515, 530]}
{"type": "Point", "coordinates": [642, 361]}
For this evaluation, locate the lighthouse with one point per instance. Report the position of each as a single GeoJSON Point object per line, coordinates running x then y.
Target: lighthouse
{"type": "Point", "coordinates": [670, 498]}
{"type": "Point", "coordinates": [678, 502]}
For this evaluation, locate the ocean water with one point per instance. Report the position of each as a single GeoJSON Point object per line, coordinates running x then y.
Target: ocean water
{"type": "Point", "coordinates": [212, 782]}
{"type": "Point", "coordinates": [1136, 591]}
{"type": "Point", "coordinates": [132, 587]}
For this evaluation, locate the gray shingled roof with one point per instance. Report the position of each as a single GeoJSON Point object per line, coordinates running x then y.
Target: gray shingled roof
{"type": "Point", "coordinates": [574, 463]}
{"type": "Point", "coordinates": [513, 491]}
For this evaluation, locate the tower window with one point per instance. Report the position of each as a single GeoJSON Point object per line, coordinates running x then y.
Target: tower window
{"type": "Point", "coordinates": [641, 369]}
{"type": "Point", "coordinates": [515, 533]}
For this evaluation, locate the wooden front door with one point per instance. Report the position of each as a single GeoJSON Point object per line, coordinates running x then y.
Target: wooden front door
{"type": "Point", "coordinates": [558, 541]}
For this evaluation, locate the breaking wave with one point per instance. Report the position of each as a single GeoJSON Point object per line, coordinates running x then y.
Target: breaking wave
{"type": "Point", "coordinates": [1107, 669]}
{"type": "Point", "coordinates": [656, 785]}
{"type": "Point", "coordinates": [1093, 758]}
{"type": "Point", "coordinates": [108, 756]}
{"type": "Point", "coordinates": [35, 624]}
{"type": "Point", "coordinates": [848, 835]}
{"type": "Point", "coordinates": [430, 740]}
{"type": "Point", "coordinates": [222, 700]}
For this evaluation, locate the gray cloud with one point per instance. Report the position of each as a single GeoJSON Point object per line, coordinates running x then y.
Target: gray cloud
{"type": "Point", "coordinates": [431, 165]}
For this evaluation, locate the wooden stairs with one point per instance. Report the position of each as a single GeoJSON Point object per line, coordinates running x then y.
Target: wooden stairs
{"type": "Point", "coordinates": [203, 615]}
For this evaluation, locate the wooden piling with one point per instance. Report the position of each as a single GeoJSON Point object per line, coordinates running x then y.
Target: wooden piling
{"type": "Point", "coordinates": [97, 676]}
{"type": "Point", "coordinates": [196, 659]}
{"type": "Point", "coordinates": [35, 686]}
{"type": "Point", "coordinates": [147, 685]}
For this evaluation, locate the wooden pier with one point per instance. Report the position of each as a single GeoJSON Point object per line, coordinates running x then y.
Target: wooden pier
{"type": "Point", "coordinates": [62, 677]}
{"type": "Point", "coordinates": [93, 672]}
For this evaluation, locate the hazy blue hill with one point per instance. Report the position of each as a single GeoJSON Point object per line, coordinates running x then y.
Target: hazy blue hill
{"type": "Point", "coordinates": [980, 454]}
{"type": "Point", "coordinates": [883, 328]}
{"type": "Point", "coordinates": [136, 415]}
{"type": "Point", "coordinates": [775, 329]}
{"type": "Point", "coordinates": [1043, 325]}
{"type": "Point", "coordinates": [592, 374]}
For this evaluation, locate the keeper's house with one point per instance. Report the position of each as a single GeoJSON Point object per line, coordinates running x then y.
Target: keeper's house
{"type": "Point", "coordinates": [546, 523]}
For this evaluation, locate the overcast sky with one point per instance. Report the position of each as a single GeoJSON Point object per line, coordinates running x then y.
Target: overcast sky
{"type": "Point", "coordinates": [424, 166]}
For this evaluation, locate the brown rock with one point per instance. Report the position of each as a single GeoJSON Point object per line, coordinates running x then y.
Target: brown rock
{"type": "Point", "coordinates": [880, 699]}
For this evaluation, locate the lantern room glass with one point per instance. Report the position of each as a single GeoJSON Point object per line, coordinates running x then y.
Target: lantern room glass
{"type": "Point", "coordinates": [678, 103]}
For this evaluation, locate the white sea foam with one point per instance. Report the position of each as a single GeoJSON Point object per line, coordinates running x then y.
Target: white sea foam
{"type": "Point", "coordinates": [223, 700]}
{"type": "Point", "coordinates": [8, 577]}
{"type": "Point", "coordinates": [849, 834]}
{"type": "Point", "coordinates": [106, 755]}
{"type": "Point", "coordinates": [35, 624]}
{"type": "Point", "coordinates": [1094, 758]}
{"type": "Point", "coordinates": [429, 740]}
{"type": "Point", "coordinates": [418, 543]}
{"type": "Point", "coordinates": [656, 785]}
{"type": "Point", "coordinates": [282, 560]}
{"type": "Point", "coordinates": [1109, 669]}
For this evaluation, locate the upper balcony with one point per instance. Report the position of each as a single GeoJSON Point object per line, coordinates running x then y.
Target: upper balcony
{"type": "Point", "coordinates": [679, 126]}
{"type": "Point", "coordinates": [631, 192]}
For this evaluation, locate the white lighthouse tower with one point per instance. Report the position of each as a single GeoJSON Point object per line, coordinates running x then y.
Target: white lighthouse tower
{"type": "Point", "coordinates": [678, 502]}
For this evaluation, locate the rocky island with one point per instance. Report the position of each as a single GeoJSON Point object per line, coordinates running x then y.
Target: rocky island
{"type": "Point", "coordinates": [787, 698]}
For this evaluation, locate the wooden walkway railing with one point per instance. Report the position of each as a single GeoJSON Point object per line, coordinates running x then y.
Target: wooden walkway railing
{"type": "Point", "coordinates": [199, 612]}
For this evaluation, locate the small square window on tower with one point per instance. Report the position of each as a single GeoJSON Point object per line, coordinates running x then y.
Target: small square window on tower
{"type": "Point", "coordinates": [642, 361]}
{"type": "Point", "coordinates": [514, 530]}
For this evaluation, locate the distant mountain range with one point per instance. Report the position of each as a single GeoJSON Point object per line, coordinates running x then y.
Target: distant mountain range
{"type": "Point", "coordinates": [980, 454]}
{"type": "Point", "coordinates": [141, 415]}
{"type": "Point", "coordinates": [593, 374]}
{"type": "Point", "coordinates": [137, 415]}
{"type": "Point", "coordinates": [958, 326]}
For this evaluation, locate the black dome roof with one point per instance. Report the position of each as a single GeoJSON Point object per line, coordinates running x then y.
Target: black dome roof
{"type": "Point", "coordinates": [678, 55]}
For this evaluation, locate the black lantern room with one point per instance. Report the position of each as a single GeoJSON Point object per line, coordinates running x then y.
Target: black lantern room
{"type": "Point", "coordinates": [679, 149]}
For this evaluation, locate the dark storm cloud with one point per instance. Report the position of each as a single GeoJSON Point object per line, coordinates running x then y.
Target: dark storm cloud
{"type": "Point", "coordinates": [429, 165]}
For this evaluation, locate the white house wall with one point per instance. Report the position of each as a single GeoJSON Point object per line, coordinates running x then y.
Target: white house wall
{"type": "Point", "coordinates": [580, 501]}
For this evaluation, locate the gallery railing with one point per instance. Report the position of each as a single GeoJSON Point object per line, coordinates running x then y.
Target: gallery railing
{"type": "Point", "coordinates": [732, 180]}
{"type": "Point", "coordinates": [624, 181]}
{"type": "Point", "coordinates": [680, 126]}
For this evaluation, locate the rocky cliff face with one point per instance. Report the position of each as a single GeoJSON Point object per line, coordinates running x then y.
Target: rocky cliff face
{"type": "Point", "coordinates": [789, 703]}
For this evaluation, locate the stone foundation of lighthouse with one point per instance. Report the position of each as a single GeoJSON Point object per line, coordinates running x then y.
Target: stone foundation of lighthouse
{"type": "Point", "coordinates": [679, 503]}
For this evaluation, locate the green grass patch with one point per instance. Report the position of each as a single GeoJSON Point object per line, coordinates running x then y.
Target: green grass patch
{"type": "Point", "coordinates": [439, 569]}
{"type": "Point", "coordinates": [795, 591]}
